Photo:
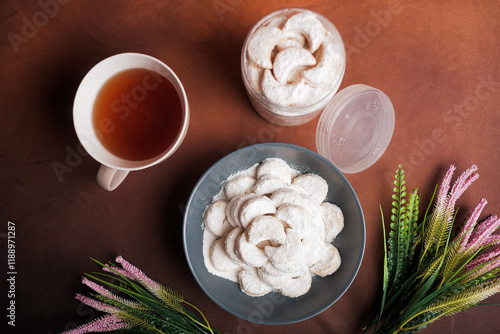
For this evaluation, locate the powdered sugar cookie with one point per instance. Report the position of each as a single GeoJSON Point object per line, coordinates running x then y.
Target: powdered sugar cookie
{"type": "Point", "coordinates": [234, 214]}
{"type": "Point", "coordinates": [290, 256]}
{"type": "Point", "coordinates": [297, 286]}
{"type": "Point", "coordinates": [289, 64]}
{"type": "Point", "coordinates": [251, 284]}
{"type": "Point", "coordinates": [295, 217]}
{"type": "Point", "coordinates": [266, 228]}
{"type": "Point", "coordinates": [316, 248]}
{"type": "Point", "coordinates": [291, 40]}
{"type": "Point", "coordinates": [255, 74]}
{"type": "Point", "coordinates": [328, 66]}
{"type": "Point", "coordinates": [313, 184]}
{"type": "Point", "coordinates": [229, 208]}
{"type": "Point", "coordinates": [333, 219]}
{"type": "Point", "coordinates": [214, 219]}
{"type": "Point", "coordinates": [268, 184]}
{"type": "Point", "coordinates": [308, 25]}
{"type": "Point", "coordinates": [262, 43]}
{"type": "Point", "coordinates": [254, 207]}
{"type": "Point", "coordinates": [230, 244]}
{"type": "Point", "coordinates": [249, 253]}
{"type": "Point", "coordinates": [219, 257]}
{"type": "Point", "coordinates": [288, 195]}
{"type": "Point", "coordinates": [239, 185]}
{"type": "Point", "coordinates": [274, 281]}
{"type": "Point", "coordinates": [328, 264]}
{"type": "Point", "coordinates": [282, 94]}
{"type": "Point", "coordinates": [276, 167]}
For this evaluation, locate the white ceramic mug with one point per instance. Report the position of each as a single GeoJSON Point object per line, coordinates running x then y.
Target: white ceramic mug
{"type": "Point", "coordinates": [114, 169]}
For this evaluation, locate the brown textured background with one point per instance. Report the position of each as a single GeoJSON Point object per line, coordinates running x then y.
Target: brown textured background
{"type": "Point", "coordinates": [437, 61]}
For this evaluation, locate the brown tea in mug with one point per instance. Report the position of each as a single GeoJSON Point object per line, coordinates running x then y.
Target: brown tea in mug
{"type": "Point", "coordinates": [137, 114]}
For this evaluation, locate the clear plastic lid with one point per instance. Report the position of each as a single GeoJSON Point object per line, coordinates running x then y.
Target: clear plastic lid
{"type": "Point", "coordinates": [355, 128]}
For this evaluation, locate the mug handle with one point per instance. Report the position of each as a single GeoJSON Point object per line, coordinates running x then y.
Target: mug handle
{"type": "Point", "coordinates": [109, 178]}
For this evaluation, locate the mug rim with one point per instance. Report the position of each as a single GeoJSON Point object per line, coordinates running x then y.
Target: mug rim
{"type": "Point", "coordinates": [85, 92]}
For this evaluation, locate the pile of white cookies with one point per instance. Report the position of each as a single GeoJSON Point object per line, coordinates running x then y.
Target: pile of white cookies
{"type": "Point", "coordinates": [270, 229]}
{"type": "Point", "coordinates": [294, 61]}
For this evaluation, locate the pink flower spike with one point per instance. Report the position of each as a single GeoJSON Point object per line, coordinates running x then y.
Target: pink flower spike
{"type": "Point", "coordinates": [483, 258]}
{"type": "Point", "coordinates": [492, 240]}
{"type": "Point", "coordinates": [460, 186]}
{"type": "Point", "coordinates": [445, 185]}
{"type": "Point", "coordinates": [467, 229]}
{"type": "Point", "coordinates": [483, 231]}
{"type": "Point", "coordinates": [137, 274]}
{"type": "Point", "coordinates": [121, 271]}
{"type": "Point", "coordinates": [105, 324]}
{"type": "Point", "coordinates": [97, 288]}
{"type": "Point", "coordinates": [96, 304]}
{"type": "Point", "coordinates": [444, 188]}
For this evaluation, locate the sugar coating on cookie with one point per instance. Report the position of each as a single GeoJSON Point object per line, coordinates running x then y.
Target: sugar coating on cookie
{"type": "Point", "coordinates": [328, 264]}
{"type": "Point", "coordinates": [334, 220]}
{"type": "Point", "coordinates": [264, 228]}
{"type": "Point", "coordinates": [268, 184]}
{"type": "Point", "coordinates": [239, 185]}
{"type": "Point", "coordinates": [219, 257]}
{"type": "Point", "coordinates": [249, 253]}
{"type": "Point", "coordinates": [297, 286]}
{"type": "Point", "coordinates": [255, 207]}
{"type": "Point", "coordinates": [269, 229]}
{"type": "Point", "coordinates": [214, 218]}
{"type": "Point", "coordinates": [314, 185]}
{"type": "Point", "coordinates": [251, 284]}
{"type": "Point", "coordinates": [276, 167]}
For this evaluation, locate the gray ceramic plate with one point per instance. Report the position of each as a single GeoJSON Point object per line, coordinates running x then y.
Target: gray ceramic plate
{"type": "Point", "coordinates": [273, 308]}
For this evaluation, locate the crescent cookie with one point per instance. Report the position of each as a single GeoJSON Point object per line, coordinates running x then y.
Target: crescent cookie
{"type": "Point", "coordinates": [239, 185]}
{"type": "Point", "coordinates": [276, 167]}
{"type": "Point", "coordinates": [308, 25]}
{"type": "Point", "coordinates": [298, 286]}
{"type": "Point", "coordinates": [295, 217]}
{"type": "Point", "coordinates": [283, 94]}
{"type": "Point", "coordinates": [249, 253]}
{"type": "Point", "coordinates": [333, 219]}
{"type": "Point", "coordinates": [274, 281]}
{"type": "Point", "coordinates": [234, 208]}
{"type": "Point", "coordinates": [262, 43]}
{"type": "Point", "coordinates": [219, 258]}
{"type": "Point", "coordinates": [251, 284]}
{"type": "Point", "coordinates": [214, 219]}
{"type": "Point", "coordinates": [291, 40]}
{"type": "Point", "coordinates": [328, 264]}
{"type": "Point", "coordinates": [268, 184]}
{"type": "Point", "coordinates": [254, 207]}
{"type": "Point", "coordinates": [289, 63]}
{"type": "Point", "coordinates": [230, 244]}
{"type": "Point", "coordinates": [290, 256]}
{"type": "Point", "coordinates": [314, 185]}
{"type": "Point", "coordinates": [328, 64]}
{"type": "Point", "coordinates": [265, 228]}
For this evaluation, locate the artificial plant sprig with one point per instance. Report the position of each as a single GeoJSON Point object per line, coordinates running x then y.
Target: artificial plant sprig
{"type": "Point", "coordinates": [153, 308]}
{"type": "Point", "coordinates": [431, 268]}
